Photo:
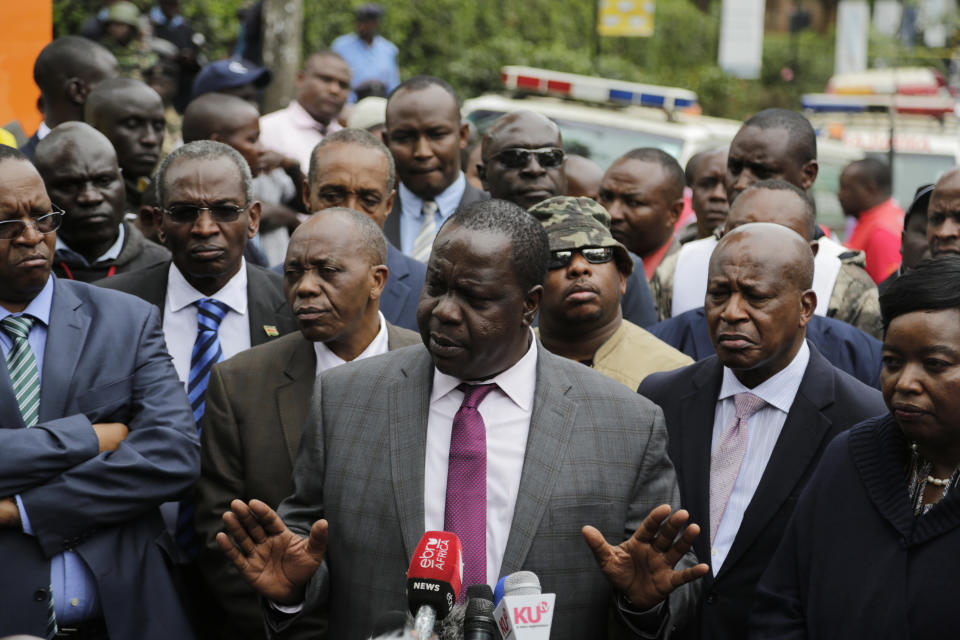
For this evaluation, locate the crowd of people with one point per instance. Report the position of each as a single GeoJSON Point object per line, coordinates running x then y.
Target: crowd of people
{"type": "Point", "coordinates": [250, 358]}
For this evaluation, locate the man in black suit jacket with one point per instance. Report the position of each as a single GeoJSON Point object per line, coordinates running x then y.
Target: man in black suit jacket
{"type": "Point", "coordinates": [425, 135]}
{"type": "Point", "coordinates": [352, 168]}
{"type": "Point", "coordinates": [740, 476]}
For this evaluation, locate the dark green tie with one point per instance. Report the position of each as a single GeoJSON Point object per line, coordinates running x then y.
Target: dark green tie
{"type": "Point", "coordinates": [22, 367]}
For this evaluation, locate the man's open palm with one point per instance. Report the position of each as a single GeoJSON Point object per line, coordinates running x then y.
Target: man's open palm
{"type": "Point", "coordinates": [273, 560]}
{"type": "Point", "coordinates": [642, 567]}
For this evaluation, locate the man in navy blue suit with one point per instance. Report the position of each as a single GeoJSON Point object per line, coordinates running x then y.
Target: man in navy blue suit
{"type": "Point", "coordinates": [95, 433]}
{"type": "Point", "coordinates": [351, 168]}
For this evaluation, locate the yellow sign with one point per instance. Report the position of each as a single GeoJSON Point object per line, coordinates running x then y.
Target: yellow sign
{"type": "Point", "coordinates": [626, 18]}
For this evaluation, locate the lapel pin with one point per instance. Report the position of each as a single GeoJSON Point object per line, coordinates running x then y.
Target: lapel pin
{"type": "Point", "coordinates": [270, 330]}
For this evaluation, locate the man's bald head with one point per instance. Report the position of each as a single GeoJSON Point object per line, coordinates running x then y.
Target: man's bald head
{"type": "Point", "coordinates": [66, 71]}
{"type": "Point", "coordinates": [759, 299]}
{"type": "Point", "coordinates": [364, 234]}
{"type": "Point", "coordinates": [505, 130]}
{"type": "Point", "coordinates": [110, 94]}
{"type": "Point", "coordinates": [777, 202]}
{"type": "Point", "coordinates": [781, 249]}
{"type": "Point", "coordinates": [215, 113]}
{"type": "Point", "coordinates": [68, 139]}
{"type": "Point", "coordinates": [131, 115]}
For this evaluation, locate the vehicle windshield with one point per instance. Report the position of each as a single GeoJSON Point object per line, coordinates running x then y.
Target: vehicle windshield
{"type": "Point", "coordinates": [600, 143]}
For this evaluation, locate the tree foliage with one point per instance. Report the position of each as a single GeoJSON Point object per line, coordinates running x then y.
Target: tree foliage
{"type": "Point", "coordinates": [467, 43]}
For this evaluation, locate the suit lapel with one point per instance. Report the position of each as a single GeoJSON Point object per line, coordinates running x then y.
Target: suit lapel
{"type": "Point", "coordinates": [408, 406]}
{"type": "Point", "coordinates": [260, 307]}
{"type": "Point", "coordinates": [694, 441]}
{"type": "Point", "coordinates": [299, 374]}
{"type": "Point", "coordinates": [66, 335]}
{"type": "Point", "coordinates": [396, 291]}
{"type": "Point", "coordinates": [799, 441]}
{"type": "Point", "coordinates": [551, 423]}
{"type": "Point", "coordinates": [391, 226]}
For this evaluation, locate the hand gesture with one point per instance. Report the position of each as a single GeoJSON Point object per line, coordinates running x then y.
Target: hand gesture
{"type": "Point", "coordinates": [641, 568]}
{"type": "Point", "coordinates": [273, 560]}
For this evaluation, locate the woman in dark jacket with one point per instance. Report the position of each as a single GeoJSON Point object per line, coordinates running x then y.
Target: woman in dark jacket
{"type": "Point", "coordinates": [873, 548]}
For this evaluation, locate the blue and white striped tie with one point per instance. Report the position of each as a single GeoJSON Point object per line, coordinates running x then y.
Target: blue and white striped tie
{"type": "Point", "coordinates": [206, 353]}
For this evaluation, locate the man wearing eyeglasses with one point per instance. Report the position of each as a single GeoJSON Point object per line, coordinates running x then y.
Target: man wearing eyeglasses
{"type": "Point", "coordinates": [425, 135]}
{"type": "Point", "coordinates": [580, 316]}
{"type": "Point", "coordinates": [79, 168]}
{"type": "Point", "coordinates": [95, 433]}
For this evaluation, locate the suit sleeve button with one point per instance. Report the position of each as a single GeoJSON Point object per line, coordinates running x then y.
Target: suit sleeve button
{"type": "Point", "coordinates": [40, 595]}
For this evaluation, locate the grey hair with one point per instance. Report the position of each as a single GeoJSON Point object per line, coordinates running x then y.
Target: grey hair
{"type": "Point", "coordinates": [359, 137]}
{"type": "Point", "coordinates": [204, 150]}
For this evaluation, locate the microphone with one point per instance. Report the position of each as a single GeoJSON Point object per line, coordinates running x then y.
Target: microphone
{"type": "Point", "coordinates": [478, 622]}
{"type": "Point", "coordinates": [434, 579]}
{"type": "Point", "coordinates": [524, 613]}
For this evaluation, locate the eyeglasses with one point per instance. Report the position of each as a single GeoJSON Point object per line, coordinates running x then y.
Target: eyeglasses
{"type": "Point", "coordinates": [593, 255]}
{"type": "Point", "coordinates": [516, 158]}
{"type": "Point", "coordinates": [47, 223]}
{"type": "Point", "coordinates": [188, 213]}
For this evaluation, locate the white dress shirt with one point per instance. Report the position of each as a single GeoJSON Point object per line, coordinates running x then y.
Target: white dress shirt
{"type": "Point", "coordinates": [327, 359]}
{"type": "Point", "coordinates": [180, 318]}
{"type": "Point", "coordinates": [294, 133]}
{"type": "Point", "coordinates": [763, 431]}
{"type": "Point", "coordinates": [506, 415]}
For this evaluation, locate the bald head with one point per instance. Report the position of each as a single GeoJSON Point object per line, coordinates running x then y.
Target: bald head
{"type": "Point", "coordinates": [583, 176]}
{"type": "Point", "coordinates": [353, 228]}
{"type": "Point", "coordinates": [512, 127]}
{"type": "Point", "coordinates": [131, 115]}
{"type": "Point", "coordinates": [70, 140]}
{"type": "Point", "coordinates": [774, 247]}
{"type": "Point", "coordinates": [216, 113]}
{"type": "Point", "coordinates": [777, 202]}
{"type": "Point", "coordinates": [67, 70]}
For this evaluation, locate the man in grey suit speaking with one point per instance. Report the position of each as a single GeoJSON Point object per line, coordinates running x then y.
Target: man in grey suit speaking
{"type": "Point", "coordinates": [390, 450]}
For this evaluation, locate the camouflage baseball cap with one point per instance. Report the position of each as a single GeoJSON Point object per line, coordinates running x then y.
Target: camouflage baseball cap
{"type": "Point", "coordinates": [575, 223]}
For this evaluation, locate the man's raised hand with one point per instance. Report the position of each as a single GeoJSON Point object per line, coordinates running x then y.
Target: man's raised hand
{"type": "Point", "coordinates": [642, 567]}
{"type": "Point", "coordinates": [273, 560]}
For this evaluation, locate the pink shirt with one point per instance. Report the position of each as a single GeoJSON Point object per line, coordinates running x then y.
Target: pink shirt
{"type": "Point", "coordinates": [878, 235]}
{"type": "Point", "coordinates": [293, 132]}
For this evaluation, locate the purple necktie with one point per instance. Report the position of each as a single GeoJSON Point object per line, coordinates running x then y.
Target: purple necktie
{"type": "Point", "coordinates": [726, 459]}
{"type": "Point", "coordinates": [466, 508]}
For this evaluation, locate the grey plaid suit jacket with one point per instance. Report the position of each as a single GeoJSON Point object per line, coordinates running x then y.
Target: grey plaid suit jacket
{"type": "Point", "coordinates": [596, 454]}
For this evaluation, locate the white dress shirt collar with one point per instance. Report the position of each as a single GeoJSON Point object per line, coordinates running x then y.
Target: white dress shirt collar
{"type": "Point", "coordinates": [181, 294]}
{"type": "Point", "coordinates": [327, 359]}
{"type": "Point", "coordinates": [43, 130]}
{"type": "Point", "coordinates": [778, 390]}
{"type": "Point", "coordinates": [519, 382]}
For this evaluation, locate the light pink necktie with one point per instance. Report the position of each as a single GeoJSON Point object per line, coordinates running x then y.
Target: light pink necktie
{"type": "Point", "coordinates": [726, 459]}
{"type": "Point", "coordinates": [466, 505]}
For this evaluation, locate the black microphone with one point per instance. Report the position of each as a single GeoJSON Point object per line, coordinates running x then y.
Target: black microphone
{"type": "Point", "coordinates": [478, 622]}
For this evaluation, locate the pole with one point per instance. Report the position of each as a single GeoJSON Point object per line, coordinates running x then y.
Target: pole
{"type": "Point", "coordinates": [282, 49]}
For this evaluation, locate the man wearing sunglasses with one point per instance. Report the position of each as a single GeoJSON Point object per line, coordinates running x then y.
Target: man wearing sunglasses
{"type": "Point", "coordinates": [212, 302]}
{"type": "Point", "coordinates": [580, 314]}
{"type": "Point", "coordinates": [523, 162]}
{"type": "Point", "coordinates": [95, 433]}
{"type": "Point", "coordinates": [79, 168]}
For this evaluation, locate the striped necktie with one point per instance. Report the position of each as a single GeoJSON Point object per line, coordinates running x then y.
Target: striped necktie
{"type": "Point", "coordinates": [22, 367]}
{"type": "Point", "coordinates": [206, 353]}
{"type": "Point", "coordinates": [428, 229]}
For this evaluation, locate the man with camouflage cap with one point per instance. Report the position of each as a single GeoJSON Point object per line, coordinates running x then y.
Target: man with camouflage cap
{"type": "Point", "coordinates": [580, 316]}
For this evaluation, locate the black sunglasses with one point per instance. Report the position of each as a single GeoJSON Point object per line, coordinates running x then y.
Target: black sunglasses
{"type": "Point", "coordinates": [593, 255]}
{"type": "Point", "coordinates": [47, 223]}
{"type": "Point", "coordinates": [516, 158]}
{"type": "Point", "coordinates": [188, 213]}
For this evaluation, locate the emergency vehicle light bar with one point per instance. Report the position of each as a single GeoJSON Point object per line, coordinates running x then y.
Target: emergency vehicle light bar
{"type": "Point", "coordinates": [906, 104]}
{"type": "Point", "coordinates": [591, 89]}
